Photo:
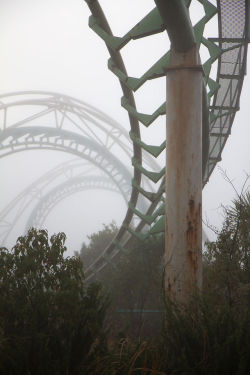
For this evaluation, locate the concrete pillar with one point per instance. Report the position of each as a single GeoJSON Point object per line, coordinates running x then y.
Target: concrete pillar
{"type": "Point", "coordinates": [184, 176]}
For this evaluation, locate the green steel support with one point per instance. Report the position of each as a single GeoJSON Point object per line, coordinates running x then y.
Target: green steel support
{"type": "Point", "coordinates": [177, 22]}
{"type": "Point", "coordinates": [173, 16]}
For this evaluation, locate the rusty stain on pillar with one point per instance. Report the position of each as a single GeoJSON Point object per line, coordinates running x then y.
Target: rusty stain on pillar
{"type": "Point", "coordinates": [184, 175]}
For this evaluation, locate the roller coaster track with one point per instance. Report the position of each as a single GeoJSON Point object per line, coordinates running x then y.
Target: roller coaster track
{"type": "Point", "coordinates": [93, 136]}
{"type": "Point", "coordinates": [221, 95]}
{"type": "Point", "coordinates": [43, 194]}
{"type": "Point", "coordinates": [72, 186]}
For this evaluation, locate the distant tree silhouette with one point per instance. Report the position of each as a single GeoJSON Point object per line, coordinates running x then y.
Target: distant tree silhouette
{"type": "Point", "coordinates": [97, 243]}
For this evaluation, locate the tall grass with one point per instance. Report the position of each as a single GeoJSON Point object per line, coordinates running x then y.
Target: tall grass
{"type": "Point", "coordinates": [200, 339]}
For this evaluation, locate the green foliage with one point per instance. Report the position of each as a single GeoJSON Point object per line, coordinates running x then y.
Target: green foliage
{"type": "Point", "coordinates": [227, 260]}
{"type": "Point", "coordinates": [138, 275]}
{"type": "Point", "coordinates": [97, 243]}
{"type": "Point", "coordinates": [205, 339]}
{"type": "Point", "coordinates": [50, 323]}
{"type": "Point", "coordinates": [135, 286]}
{"type": "Point", "coordinates": [209, 336]}
{"type": "Point", "coordinates": [197, 341]}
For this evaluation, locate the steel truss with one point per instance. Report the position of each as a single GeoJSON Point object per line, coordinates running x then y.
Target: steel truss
{"type": "Point", "coordinates": [95, 137]}
{"type": "Point", "coordinates": [220, 96]}
{"type": "Point", "coordinates": [220, 103]}
{"type": "Point", "coordinates": [74, 185]}
{"type": "Point", "coordinates": [42, 195]}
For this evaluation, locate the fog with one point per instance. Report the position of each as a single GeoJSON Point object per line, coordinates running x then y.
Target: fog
{"type": "Point", "coordinates": [47, 45]}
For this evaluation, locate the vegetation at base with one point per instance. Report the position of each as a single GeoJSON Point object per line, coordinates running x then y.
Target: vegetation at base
{"type": "Point", "coordinates": [227, 260]}
{"type": "Point", "coordinates": [51, 322]}
{"type": "Point", "coordinates": [97, 243]}
{"type": "Point", "coordinates": [211, 335]}
{"type": "Point", "coordinates": [197, 340]}
{"type": "Point", "coordinates": [134, 283]}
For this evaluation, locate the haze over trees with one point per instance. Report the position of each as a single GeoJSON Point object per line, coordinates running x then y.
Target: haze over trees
{"type": "Point", "coordinates": [97, 243]}
{"type": "Point", "coordinates": [53, 323]}
{"type": "Point", "coordinates": [212, 334]}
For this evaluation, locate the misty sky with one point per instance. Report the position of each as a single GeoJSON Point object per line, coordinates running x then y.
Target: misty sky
{"type": "Point", "coordinates": [47, 45]}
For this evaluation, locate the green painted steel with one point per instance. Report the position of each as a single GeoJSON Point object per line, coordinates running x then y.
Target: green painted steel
{"type": "Point", "coordinates": [220, 95]}
{"type": "Point", "coordinates": [175, 13]}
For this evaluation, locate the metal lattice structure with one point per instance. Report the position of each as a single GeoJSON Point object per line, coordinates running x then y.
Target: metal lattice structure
{"type": "Point", "coordinates": [72, 186]}
{"type": "Point", "coordinates": [227, 51]}
{"type": "Point", "coordinates": [45, 193]}
{"type": "Point", "coordinates": [68, 125]}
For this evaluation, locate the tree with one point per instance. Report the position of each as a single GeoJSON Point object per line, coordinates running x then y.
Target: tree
{"type": "Point", "coordinates": [214, 331]}
{"type": "Point", "coordinates": [227, 260]}
{"type": "Point", "coordinates": [97, 243]}
{"type": "Point", "coordinates": [211, 335]}
{"type": "Point", "coordinates": [134, 283]}
{"type": "Point", "coordinates": [50, 323]}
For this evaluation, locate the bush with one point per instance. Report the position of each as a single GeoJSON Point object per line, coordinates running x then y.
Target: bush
{"type": "Point", "coordinates": [227, 260]}
{"type": "Point", "coordinates": [135, 287]}
{"type": "Point", "coordinates": [206, 339]}
{"type": "Point", "coordinates": [199, 340]}
{"type": "Point", "coordinates": [97, 244]}
{"type": "Point", "coordinates": [50, 323]}
{"type": "Point", "coordinates": [212, 334]}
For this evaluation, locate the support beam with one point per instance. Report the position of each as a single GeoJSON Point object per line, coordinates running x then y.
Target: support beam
{"type": "Point", "coordinates": [184, 176]}
{"type": "Point", "coordinates": [176, 18]}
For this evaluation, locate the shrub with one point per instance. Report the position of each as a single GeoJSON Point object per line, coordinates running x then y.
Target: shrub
{"type": "Point", "coordinates": [50, 323]}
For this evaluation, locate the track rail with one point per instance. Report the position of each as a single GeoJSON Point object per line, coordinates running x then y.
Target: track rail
{"type": "Point", "coordinates": [231, 44]}
{"type": "Point", "coordinates": [221, 96]}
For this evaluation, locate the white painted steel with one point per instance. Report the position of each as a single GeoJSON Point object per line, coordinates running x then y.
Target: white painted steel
{"type": "Point", "coordinates": [184, 176]}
